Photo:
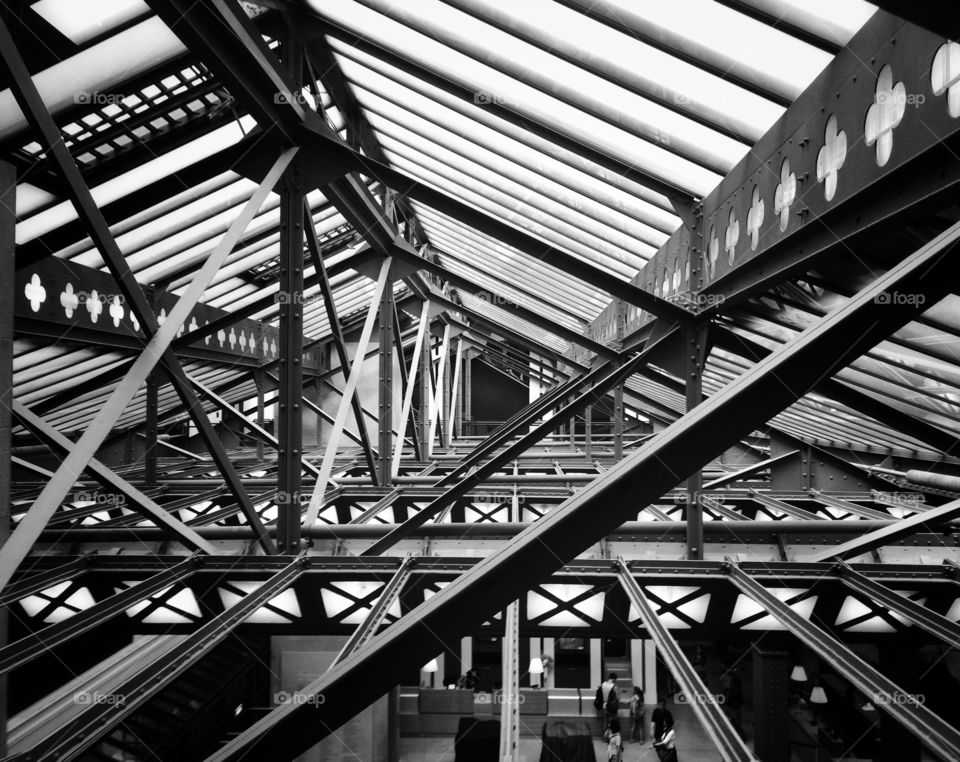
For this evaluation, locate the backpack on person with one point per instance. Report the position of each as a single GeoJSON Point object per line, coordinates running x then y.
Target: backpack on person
{"type": "Point", "coordinates": [613, 702]}
{"type": "Point", "coordinates": [598, 701]}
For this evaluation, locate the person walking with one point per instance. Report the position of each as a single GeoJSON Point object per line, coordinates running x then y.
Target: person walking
{"type": "Point", "coordinates": [666, 747]}
{"type": "Point", "coordinates": [614, 741]}
{"type": "Point", "coordinates": [607, 702]}
{"type": "Point", "coordinates": [660, 720]}
{"type": "Point", "coordinates": [636, 714]}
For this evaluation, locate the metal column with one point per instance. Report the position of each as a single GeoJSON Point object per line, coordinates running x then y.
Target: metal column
{"type": "Point", "coordinates": [290, 311]}
{"type": "Point", "coordinates": [693, 359]}
{"type": "Point", "coordinates": [8, 202]}
{"type": "Point", "coordinates": [150, 431]}
{"type": "Point", "coordinates": [385, 388]}
{"type": "Point", "coordinates": [510, 697]}
{"type": "Point", "coordinates": [258, 381]}
{"type": "Point", "coordinates": [467, 414]}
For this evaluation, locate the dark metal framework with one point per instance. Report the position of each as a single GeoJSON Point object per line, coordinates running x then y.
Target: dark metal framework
{"type": "Point", "coordinates": [671, 296]}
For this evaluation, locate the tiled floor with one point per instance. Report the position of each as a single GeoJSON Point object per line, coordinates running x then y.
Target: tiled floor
{"type": "Point", "coordinates": [693, 745]}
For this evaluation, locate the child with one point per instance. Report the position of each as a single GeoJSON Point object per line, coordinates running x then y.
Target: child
{"type": "Point", "coordinates": [614, 741]}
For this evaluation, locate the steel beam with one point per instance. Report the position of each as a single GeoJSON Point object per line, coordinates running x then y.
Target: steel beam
{"type": "Point", "coordinates": [784, 507]}
{"type": "Point", "coordinates": [172, 527]}
{"type": "Point", "coordinates": [339, 343]}
{"type": "Point", "coordinates": [752, 469]}
{"type": "Point", "coordinates": [704, 704]}
{"type": "Point", "coordinates": [290, 309]}
{"type": "Point", "coordinates": [410, 387]}
{"type": "Point", "coordinates": [942, 738]}
{"type": "Point", "coordinates": [897, 530]}
{"type": "Point", "coordinates": [76, 736]}
{"type": "Point", "coordinates": [385, 386]}
{"type": "Point", "coordinates": [150, 446]}
{"type": "Point", "coordinates": [510, 695]}
{"type": "Point", "coordinates": [259, 432]}
{"type": "Point", "coordinates": [160, 337]}
{"type": "Point", "coordinates": [356, 370]}
{"type": "Point", "coordinates": [460, 485]}
{"type": "Point", "coordinates": [8, 224]}
{"type": "Point", "coordinates": [937, 625]}
{"type": "Point", "coordinates": [596, 510]}
{"type": "Point", "coordinates": [374, 618]}
{"type": "Point", "coordinates": [45, 640]}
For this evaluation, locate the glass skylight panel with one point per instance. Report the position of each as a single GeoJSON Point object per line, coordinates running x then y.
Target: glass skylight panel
{"type": "Point", "coordinates": [525, 63]}
{"type": "Point", "coordinates": [391, 82]}
{"type": "Point", "coordinates": [599, 47]}
{"type": "Point", "coordinates": [569, 208]}
{"type": "Point", "coordinates": [117, 59]}
{"type": "Point", "coordinates": [143, 175]}
{"type": "Point", "coordinates": [749, 48]}
{"type": "Point", "coordinates": [82, 20]}
{"type": "Point", "coordinates": [30, 198]}
{"type": "Point", "coordinates": [486, 197]}
{"type": "Point", "coordinates": [506, 163]}
{"type": "Point", "coordinates": [522, 98]}
{"type": "Point", "coordinates": [835, 21]}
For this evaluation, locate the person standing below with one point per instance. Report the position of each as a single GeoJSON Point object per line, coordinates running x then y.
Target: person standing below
{"type": "Point", "coordinates": [607, 702]}
{"type": "Point", "coordinates": [636, 714]}
{"type": "Point", "coordinates": [660, 720]}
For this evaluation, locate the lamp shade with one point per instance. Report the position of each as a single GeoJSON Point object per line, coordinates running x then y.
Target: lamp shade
{"type": "Point", "coordinates": [818, 696]}
{"type": "Point", "coordinates": [431, 666]}
{"type": "Point", "coordinates": [536, 666]}
{"type": "Point", "coordinates": [799, 674]}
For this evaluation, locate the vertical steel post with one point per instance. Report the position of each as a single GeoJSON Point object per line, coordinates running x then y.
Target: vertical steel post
{"type": "Point", "coordinates": [453, 417]}
{"type": "Point", "coordinates": [618, 392]}
{"type": "Point", "coordinates": [385, 394]}
{"type": "Point", "coordinates": [8, 200]}
{"type": "Point", "coordinates": [510, 697]}
{"type": "Point", "coordinates": [588, 432]}
{"type": "Point", "coordinates": [150, 431]}
{"type": "Point", "coordinates": [258, 381]}
{"type": "Point", "coordinates": [290, 297]}
{"type": "Point", "coordinates": [426, 360]}
{"type": "Point", "coordinates": [695, 340]}
{"type": "Point", "coordinates": [467, 394]}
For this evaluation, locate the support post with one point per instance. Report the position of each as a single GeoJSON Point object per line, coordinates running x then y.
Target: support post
{"type": "Point", "coordinates": [694, 347]}
{"type": "Point", "coordinates": [8, 221]}
{"type": "Point", "coordinates": [150, 432]}
{"type": "Point", "coordinates": [385, 389]}
{"type": "Point", "coordinates": [510, 698]}
{"type": "Point", "coordinates": [771, 692]}
{"type": "Point", "coordinates": [588, 432]}
{"type": "Point", "coordinates": [290, 312]}
{"type": "Point", "coordinates": [467, 412]}
{"type": "Point", "coordinates": [426, 358]}
{"type": "Point", "coordinates": [258, 381]}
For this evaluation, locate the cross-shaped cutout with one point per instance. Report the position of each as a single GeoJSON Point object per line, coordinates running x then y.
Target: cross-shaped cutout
{"type": "Point", "coordinates": [221, 335]}
{"type": "Point", "coordinates": [232, 338]}
{"type": "Point", "coordinates": [116, 311]}
{"type": "Point", "coordinates": [945, 75]}
{"type": "Point", "coordinates": [94, 305]}
{"type": "Point", "coordinates": [273, 348]}
{"type": "Point", "coordinates": [135, 323]}
{"type": "Point", "coordinates": [35, 292]}
{"type": "Point", "coordinates": [755, 218]}
{"type": "Point", "coordinates": [69, 300]}
{"type": "Point", "coordinates": [676, 275]}
{"type": "Point", "coordinates": [889, 106]}
{"type": "Point", "coordinates": [831, 157]}
{"type": "Point", "coordinates": [786, 194]}
{"type": "Point", "coordinates": [712, 253]}
{"type": "Point", "coordinates": [243, 341]}
{"type": "Point", "coordinates": [193, 325]}
{"type": "Point", "coordinates": [161, 318]}
{"type": "Point", "coordinates": [732, 236]}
